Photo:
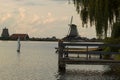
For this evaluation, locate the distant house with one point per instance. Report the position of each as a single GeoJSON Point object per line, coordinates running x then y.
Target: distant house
{"type": "Point", "coordinates": [22, 36]}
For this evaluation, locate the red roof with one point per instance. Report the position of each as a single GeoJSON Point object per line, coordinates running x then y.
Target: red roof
{"type": "Point", "coordinates": [22, 36]}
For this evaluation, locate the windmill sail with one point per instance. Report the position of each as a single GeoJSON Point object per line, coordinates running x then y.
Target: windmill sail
{"type": "Point", "coordinates": [71, 20]}
{"type": "Point", "coordinates": [19, 45]}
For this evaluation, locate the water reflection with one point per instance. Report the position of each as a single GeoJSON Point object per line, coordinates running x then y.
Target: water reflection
{"type": "Point", "coordinates": [37, 61]}
{"type": "Point", "coordinates": [85, 75]}
{"type": "Point", "coordinates": [113, 69]}
{"type": "Point", "coordinates": [109, 72]}
{"type": "Point", "coordinates": [18, 56]}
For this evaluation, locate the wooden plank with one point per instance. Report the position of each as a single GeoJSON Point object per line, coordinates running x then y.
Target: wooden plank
{"type": "Point", "coordinates": [81, 49]}
{"type": "Point", "coordinates": [91, 61]}
{"type": "Point", "coordinates": [102, 52]}
{"type": "Point", "coordinates": [90, 52]}
{"type": "Point", "coordinates": [78, 49]}
{"type": "Point", "coordinates": [91, 44]}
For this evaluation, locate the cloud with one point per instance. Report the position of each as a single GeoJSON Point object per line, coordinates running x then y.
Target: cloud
{"type": "Point", "coordinates": [60, 1]}
{"type": "Point", "coordinates": [5, 17]}
{"type": "Point", "coordinates": [30, 2]}
{"type": "Point", "coordinates": [49, 18]}
{"type": "Point", "coordinates": [35, 19]}
{"type": "Point", "coordinates": [49, 14]}
{"type": "Point", "coordinates": [22, 13]}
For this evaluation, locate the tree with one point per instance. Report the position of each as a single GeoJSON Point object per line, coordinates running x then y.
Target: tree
{"type": "Point", "coordinates": [101, 13]}
{"type": "Point", "coordinates": [116, 30]}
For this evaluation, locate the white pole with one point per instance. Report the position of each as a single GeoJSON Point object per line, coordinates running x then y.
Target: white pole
{"type": "Point", "coordinates": [19, 45]}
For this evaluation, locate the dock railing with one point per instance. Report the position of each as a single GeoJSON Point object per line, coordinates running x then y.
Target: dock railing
{"type": "Point", "coordinates": [65, 49]}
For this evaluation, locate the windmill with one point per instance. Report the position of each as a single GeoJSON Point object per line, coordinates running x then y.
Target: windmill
{"type": "Point", "coordinates": [73, 32]}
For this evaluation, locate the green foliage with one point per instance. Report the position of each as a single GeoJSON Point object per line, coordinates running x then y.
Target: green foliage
{"type": "Point", "coordinates": [116, 30]}
{"type": "Point", "coordinates": [112, 41]}
{"type": "Point", "coordinates": [102, 13]}
{"type": "Point", "coordinates": [117, 57]}
{"type": "Point", "coordinates": [112, 49]}
{"type": "Point", "coordinates": [107, 56]}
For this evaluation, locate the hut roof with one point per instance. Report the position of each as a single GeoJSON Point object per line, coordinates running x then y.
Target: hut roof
{"type": "Point", "coordinates": [22, 36]}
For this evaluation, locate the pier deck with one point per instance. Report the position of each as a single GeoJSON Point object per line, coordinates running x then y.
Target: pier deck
{"type": "Point", "coordinates": [84, 53]}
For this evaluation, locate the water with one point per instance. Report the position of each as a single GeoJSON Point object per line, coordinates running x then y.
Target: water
{"type": "Point", "coordinates": [38, 61]}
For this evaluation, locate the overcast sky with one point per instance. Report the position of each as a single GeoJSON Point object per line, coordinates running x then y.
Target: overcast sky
{"type": "Point", "coordinates": [40, 18]}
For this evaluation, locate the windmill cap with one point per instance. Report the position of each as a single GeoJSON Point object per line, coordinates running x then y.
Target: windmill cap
{"type": "Point", "coordinates": [73, 25]}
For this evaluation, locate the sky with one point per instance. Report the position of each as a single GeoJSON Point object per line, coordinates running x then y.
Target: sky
{"type": "Point", "coordinates": [41, 18]}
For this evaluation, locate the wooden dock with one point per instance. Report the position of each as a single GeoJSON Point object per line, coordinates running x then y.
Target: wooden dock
{"type": "Point", "coordinates": [84, 53]}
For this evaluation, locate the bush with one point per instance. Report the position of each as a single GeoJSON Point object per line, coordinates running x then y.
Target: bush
{"type": "Point", "coordinates": [112, 49]}
{"type": "Point", "coordinates": [107, 56]}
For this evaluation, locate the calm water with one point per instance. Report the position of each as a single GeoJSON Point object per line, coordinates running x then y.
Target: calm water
{"type": "Point", "coordinates": [38, 61]}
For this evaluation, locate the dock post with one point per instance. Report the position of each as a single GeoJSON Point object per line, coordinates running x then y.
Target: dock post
{"type": "Point", "coordinates": [66, 54]}
{"type": "Point", "coordinates": [61, 63]}
{"type": "Point", "coordinates": [87, 52]}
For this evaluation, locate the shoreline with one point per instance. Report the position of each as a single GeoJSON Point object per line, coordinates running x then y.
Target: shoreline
{"type": "Point", "coordinates": [56, 40]}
